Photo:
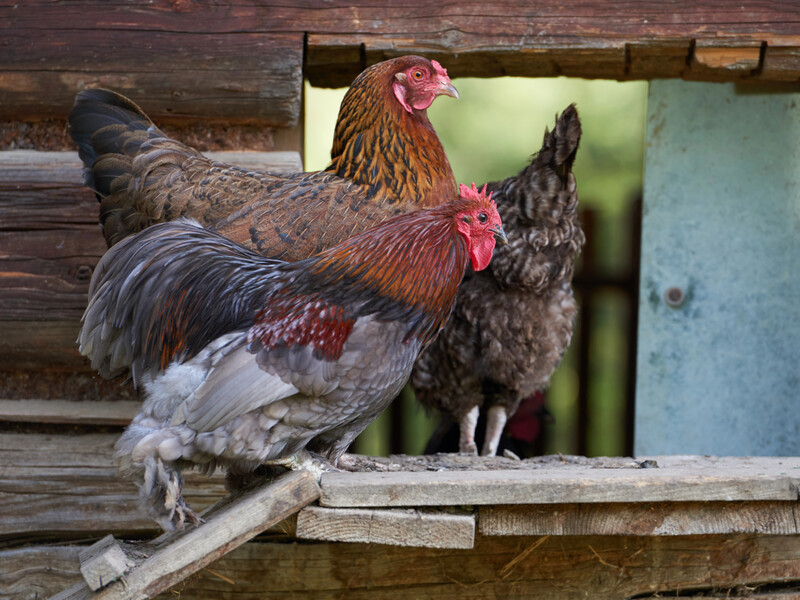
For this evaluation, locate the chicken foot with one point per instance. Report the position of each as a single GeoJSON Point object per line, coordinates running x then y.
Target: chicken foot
{"type": "Point", "coordinates": [466, 432]}
{"type": "Point", "coordinates": [162, 492]}
{"type": "Point", "coordinates": [496, 418]}
{"type": "Point", "coordinates": [304, 459]}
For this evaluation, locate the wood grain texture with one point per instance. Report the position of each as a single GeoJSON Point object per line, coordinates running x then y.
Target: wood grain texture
{"type": "Point", "coordinates": [247, 76]}
{"type": "Point", "coordinates": [558, 568]}
{"type": "Point", "coordinates": [103, 563]}
{"type": "Point", "coordinates": [650, 518]}
{"type": "Point", "coordinates": [427, 529]}
{"type": "Point", "coordinates": [768, 479]}
{"type": "Point", "coordinates": [180, 555]}
{"type": "Point", "coordinates": [69, 486]}
{"type": "Point", "coordinates": [49, 245]}
{"type": "Point", "coordinates": [69, 413]}
{"type": "Point", "coordinates": [242, 60]}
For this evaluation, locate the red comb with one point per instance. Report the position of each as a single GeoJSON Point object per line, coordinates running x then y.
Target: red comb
{"type": "Point", "coordinates": [439, 68]}
{"type": "Point", "coordinates": [474, 193]}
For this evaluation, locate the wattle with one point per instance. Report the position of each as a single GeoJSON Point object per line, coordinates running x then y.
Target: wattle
{"type": "Point", "coordinates": [481, 254]}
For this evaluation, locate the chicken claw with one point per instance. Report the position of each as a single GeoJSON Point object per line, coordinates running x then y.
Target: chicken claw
{"type": "Point", "coordinates": [466, 442]}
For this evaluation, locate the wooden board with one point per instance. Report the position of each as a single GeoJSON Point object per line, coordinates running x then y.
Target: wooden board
{"type": "Point", "coordinates": [246, 76]}
{"type": "Point", "coordinates": [764, 479]}
{"type": "Point", "coordinates": [69, 413]}
{"type": "Point", "coordinates": [243, 59]}
{"type": "Point", "coordinates": [161, 565]}
{"type": "Point", "coordinates": [557, 568]}
{"type": "Point", "coordinates": [649, 518]}
{"type": "Point", "coordinates": [49, 245]}
{"type": "Point", "coordinates": [412, 527]}
{"type": "Point", "coordinates": [68, 485]}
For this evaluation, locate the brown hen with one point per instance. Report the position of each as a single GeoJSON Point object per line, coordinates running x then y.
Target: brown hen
{"type": "Point", "coordinates": [512, 322]}
{"type": "Point", "coordinates": [386, 159]}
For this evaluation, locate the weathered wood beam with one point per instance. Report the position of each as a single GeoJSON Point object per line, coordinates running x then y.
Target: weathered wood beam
{"type": "Point", "coordinates": [70, 486]}
{"type": "Point", "coordinates": [49, 245]}
{"type": "Point", "coordinates": [65, 412]}
{"type": "Point", "coordinates": [649, 518]}
{"type": "Point", "coordinates": [244, 76]}
{"type": "Point", "coordinates": [160, 566]}
{"type": "Point", "coordinates": [240, 60]}
{"type": "Point", "coordinates": [597, 567]}
{"type": "Point", "coordinates": [103, 562]}
{"type": "Point", "coordinates": [767, 479]}
{"type": "Point", "coordinates": [412, 527]}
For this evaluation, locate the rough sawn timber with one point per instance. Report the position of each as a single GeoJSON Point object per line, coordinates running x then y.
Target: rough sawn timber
{"type": "Point", "coordinates": [244, 76]}
{"type": "Point", "coordinates": [410, 527]}
{"type": "Point", "coordinates": [243, 60]}
{"type": "Point", "coordinates": [65, 412]}
{"type": "Point", "coordinates": [173, 558]}
{"type": "Point", "coordinates": [647, 518]}
{"type": "Point", "coordinates": [725, 480]}
{"type": "Point", "coordinates": [525, 567]}
{"type": "Point", "coordinates": [49, 244]}
{"type": "Point", "coordinates": [69, 486]}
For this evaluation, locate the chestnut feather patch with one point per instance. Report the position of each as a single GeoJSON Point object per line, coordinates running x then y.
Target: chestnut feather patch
{"type": "Point", "coordinates": [305, 321]}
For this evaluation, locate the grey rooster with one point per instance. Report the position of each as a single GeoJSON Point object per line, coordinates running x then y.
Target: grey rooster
{"type": "Point", "coordinates": [248, 361]}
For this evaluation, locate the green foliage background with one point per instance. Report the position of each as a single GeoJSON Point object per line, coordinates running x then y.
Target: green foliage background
{"type": "Point", "coordinates": [491, 133]}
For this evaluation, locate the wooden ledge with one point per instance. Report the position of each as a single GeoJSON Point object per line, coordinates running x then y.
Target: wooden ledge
{"type": "Point", "coordinates": [676, 479]}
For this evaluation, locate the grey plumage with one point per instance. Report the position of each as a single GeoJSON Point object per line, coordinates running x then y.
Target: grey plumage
{"type": "Point", "coordinates": [512, 322]}
{"type": "Point", "coordinates": [248, 361]}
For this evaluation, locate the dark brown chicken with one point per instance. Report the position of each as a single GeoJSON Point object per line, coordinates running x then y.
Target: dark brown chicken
{"type": "Point", "coordinates": [512, 322]}
{"type": "Point", "coordinates": [248, 360]}
{"type": "Point", "coordinates": [386, 159]}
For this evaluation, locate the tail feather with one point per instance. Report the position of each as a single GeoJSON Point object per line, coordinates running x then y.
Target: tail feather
{"type": "Point", "coordinates": [539, 207]}
{"type": "Point", "coordinates": [127, 161]}
{"type": "Point", "coordinates": [104, 122]}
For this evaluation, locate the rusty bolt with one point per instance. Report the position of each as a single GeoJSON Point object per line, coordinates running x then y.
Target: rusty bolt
{"type": "Point", "coordinates": [83, 273]}
{"type": "Point", "coordinates": [674, 297]}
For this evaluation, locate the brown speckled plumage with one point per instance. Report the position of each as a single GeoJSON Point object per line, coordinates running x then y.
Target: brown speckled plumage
{"type": "Point", "coordinates": [385, 161]}
{"type": "Point", "coordinates": [512, 322]}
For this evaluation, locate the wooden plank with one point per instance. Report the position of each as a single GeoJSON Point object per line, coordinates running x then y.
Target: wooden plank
{"type": "Point", "coordinates": [119, 412]}
{"type": "Point", "coordinates": [182, 554]}
{"type": "Point", "coordinates": [718, 60]}
{"type": "Point", "coordinates": [239, 44]}
{"type": "Point", "coordinates": [780, 63]}
{"type": "Point", "coordinates": [770, 480]}
{"type": "Point", "coordinates": [659, 58]}
{"type": "Point", "coordinates": [558, 568]}
{"type": "Point", "coordinates": [49, 245]}
{"type": "Point", "coordinates": [427, 529]}
{"type": "Point", "coordinates": [244, 76]}
{"type": "Point", "coordinates": [68, 485]}
{"type": "Point", "coordinates": [103, 563]}
{"type": "Point", "coordinates": [652, 518]}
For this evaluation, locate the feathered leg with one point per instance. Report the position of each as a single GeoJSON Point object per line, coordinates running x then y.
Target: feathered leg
{"type": "Point", "coordinates": [466, 429]}
{"type": "Point", "coordinates": [161, 492]}
{"type": "Point", "coordinates": [496, 418]}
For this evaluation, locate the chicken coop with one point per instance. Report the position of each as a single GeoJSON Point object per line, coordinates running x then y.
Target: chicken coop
{"type": "Point", "coordinates": [706, 506]}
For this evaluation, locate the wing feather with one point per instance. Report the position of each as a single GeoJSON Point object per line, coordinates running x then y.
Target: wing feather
{"type": "Point", "coordinates": [167, 292]}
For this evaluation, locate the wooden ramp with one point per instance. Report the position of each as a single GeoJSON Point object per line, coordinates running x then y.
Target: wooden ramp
{"type": "Point", "coordinates": [145, 570]}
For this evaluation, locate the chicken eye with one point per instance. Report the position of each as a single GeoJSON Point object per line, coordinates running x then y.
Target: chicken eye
{"type": "Point", "coordinates": [482, 217]}
{"type": "Point", "coordinates": [417, 75]}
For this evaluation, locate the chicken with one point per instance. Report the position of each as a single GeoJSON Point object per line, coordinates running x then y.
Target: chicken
{"type": "Point", "coordinates": [247, 360]}
{"type": "Point", "coordinates": [513, 322]}
{"type": "Point", "coordinates": [386, 159]}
